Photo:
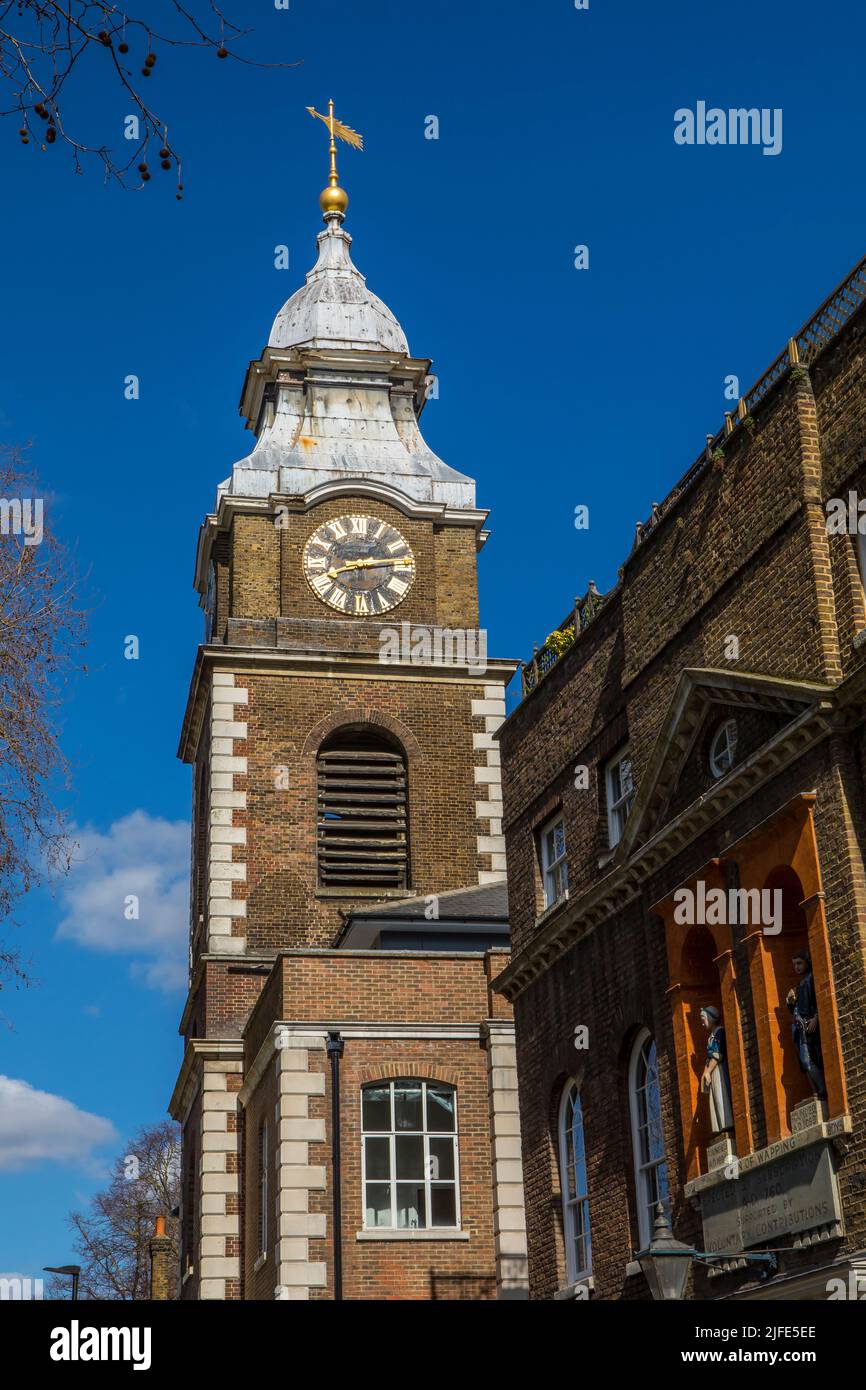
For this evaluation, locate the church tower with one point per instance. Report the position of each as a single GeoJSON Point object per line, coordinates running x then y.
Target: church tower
{"type": "Point", "coordinates": [345, 1135]}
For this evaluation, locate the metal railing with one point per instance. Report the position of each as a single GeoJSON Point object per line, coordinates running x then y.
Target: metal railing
{"type": "Point", "coordinates": [546, 657]}
{"type": "Point", "coordinates": [827, 321]}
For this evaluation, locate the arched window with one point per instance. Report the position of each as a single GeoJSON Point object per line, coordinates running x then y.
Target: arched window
{"type": "Point", "coordinates": [647, 1135]}
{"type": "Point", "coordinates": [572, 1176]}
{"type": "Point", "coordinates": [362, 818]}
{"type": "Point", "coordinates": [409, 1159]}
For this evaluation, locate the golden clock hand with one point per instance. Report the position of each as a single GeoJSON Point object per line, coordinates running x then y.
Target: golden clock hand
{"type": "Point", "coordinates": [368, 563]}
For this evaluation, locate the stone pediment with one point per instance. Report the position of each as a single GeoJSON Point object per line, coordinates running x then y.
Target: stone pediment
{"type": "Point", "coordinates": [678, 774]}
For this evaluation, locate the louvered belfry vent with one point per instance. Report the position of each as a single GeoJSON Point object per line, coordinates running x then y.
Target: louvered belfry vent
{"type": "Point", "coordinates": [362, 822]}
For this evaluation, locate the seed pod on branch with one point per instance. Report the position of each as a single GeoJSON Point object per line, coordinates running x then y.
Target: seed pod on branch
{"type": "Point", "coordinates": [40, 50]}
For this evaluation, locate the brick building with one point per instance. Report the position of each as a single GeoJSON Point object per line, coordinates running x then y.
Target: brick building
{"type": "Point", "coordinates": [684, 814]}
{"type": "Point", "coordinates": [348, 1086]}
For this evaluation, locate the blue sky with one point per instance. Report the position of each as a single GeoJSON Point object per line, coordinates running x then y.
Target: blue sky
{"type": "Point", "coordinates": [558, 387]}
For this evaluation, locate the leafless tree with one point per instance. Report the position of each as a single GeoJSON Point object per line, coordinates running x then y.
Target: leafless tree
{"type": "Point", "coordinates": [41, 634]}
{"type": "Point", "coordinates": [45, 43]}
{"type": "Point", "coordinates": [112, 1238]}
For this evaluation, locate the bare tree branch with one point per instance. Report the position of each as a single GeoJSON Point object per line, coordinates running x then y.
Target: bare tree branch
{"type": "Point", "coordinates": [112, 1239]}
{"type": "Point", "coordinates": [44, 42]}
{"type": "Point", "coordinates": [41, 635]}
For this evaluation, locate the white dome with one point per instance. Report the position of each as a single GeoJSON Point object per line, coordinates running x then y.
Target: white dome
{"type": "Point", "coordinates": [334, 309]}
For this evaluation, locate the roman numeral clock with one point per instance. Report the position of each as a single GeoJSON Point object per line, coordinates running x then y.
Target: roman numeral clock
{"type": "Point", "coordinates": [359, 565]}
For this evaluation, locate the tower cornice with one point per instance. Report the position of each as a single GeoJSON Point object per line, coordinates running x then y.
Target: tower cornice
{"type": "Point", "coordinates": [303, 366]}
{"type": "Point", "coordinates": [280, 661]}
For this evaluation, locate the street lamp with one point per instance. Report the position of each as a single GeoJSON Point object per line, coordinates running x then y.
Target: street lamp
{"type": "Point", "coordinates": [73, 1270]}
{"type": "Point", "coordinates": [665, 1264]}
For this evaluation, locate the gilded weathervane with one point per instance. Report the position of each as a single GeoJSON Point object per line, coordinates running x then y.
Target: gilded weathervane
{"type": "Point", "coordinates": [334, 200]}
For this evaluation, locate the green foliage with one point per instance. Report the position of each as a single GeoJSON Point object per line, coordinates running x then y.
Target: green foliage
{"type": "Point", "coordinates": [560, 640]}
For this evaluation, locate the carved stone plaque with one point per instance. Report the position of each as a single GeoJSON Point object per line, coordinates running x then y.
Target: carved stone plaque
{"type": "Point", "coordinates": [793, 1193]}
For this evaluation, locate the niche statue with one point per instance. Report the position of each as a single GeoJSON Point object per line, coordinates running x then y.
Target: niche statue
{"type": "Point", "coordinates": [715, 1080]}
{"type": "Point", "coordinates": [805, 1028]}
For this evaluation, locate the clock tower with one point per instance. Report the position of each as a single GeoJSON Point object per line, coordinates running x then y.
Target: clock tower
{"type": "Point", "coordinates": [348, 904]}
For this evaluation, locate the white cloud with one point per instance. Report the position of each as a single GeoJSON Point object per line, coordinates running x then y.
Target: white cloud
{"type": "Point", "coordinates": [36, 1125]}
{"type": "Point", "coordinates": [143, 857]}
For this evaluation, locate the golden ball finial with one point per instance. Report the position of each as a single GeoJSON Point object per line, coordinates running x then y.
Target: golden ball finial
{"type": "Point", "coordinates": [333, 199]}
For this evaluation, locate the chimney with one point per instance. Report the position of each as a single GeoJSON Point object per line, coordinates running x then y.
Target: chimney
{"type": "Point", "coordinates": [162, 1272]}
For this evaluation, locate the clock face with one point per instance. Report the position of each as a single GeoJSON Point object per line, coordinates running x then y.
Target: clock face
{"type": "Point", "coordinates": [359, 565]}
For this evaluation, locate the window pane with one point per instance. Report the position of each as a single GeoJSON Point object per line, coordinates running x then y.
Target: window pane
{"type": "Point", "coordinates": [441, 1158]}
{"type": "Point", "coordinates": [577, 1131]}
{"type": "Point", "coordinates": [615, 784]}
{"type": "Point", "coordinates": [443, 1205]}
{"type": "Point", "coordinates": [583, 1239]}
{"type": "Point", "coordinates": [378, 1155]}
{"type": "Point", "coordinates": [378, 1204]}
{"type": "Point", "coordinates": [440, 1108]}
{"type": "Point", "coordinates": [376, 1107]}
{"type": "Point", "coordinates": [407, 1107]}
{"type": "Point", "coordinates": [410, 1156]}
{"type": "Point", "coordinates": [411, 1206]}
{"type": "Point", "coordinates": [553, 844]}
{"type": "Point", "coordinates": [655, 1134]}
{"type": "Point", "coordinates": [660, 1186]}
{"type": "Point", "coordinates": [626, 777]}
{"type": "Point", "coordinates": [569, 1164]}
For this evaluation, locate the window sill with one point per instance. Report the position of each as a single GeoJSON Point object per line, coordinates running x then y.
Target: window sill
{"type": "Point", "coordinates": [435, 1233]}
{"type": "Point", "coordinates": [632, 1269]}
{"type": "Point", "coordinates": [262, 1260]}
{"type": "Point", "coordinates": [552, 910]}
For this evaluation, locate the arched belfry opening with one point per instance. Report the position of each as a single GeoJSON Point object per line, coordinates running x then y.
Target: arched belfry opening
{"type": "Point", "coordinates": [362, 823]}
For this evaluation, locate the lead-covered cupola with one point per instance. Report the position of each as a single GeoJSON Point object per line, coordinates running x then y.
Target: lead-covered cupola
{"type": "Point", "coordinates": [336, 395]}
{"type": "Point", "coordinates": [334, 309]}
